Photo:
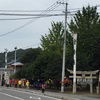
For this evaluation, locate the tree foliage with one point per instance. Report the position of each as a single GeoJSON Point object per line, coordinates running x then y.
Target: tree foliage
{"type": "Point", "coordinates": [54, 40]}
{"type": "Point", "coordinates": [49, 64]}
{"type": "Point", "coordinates": [31, 55]}
{"type": "Point", "coordinates": [86, 24]}
{"type": "Point", "coordinates": [46, 62]}
{"type": "Point", "coordinates": [29, 62]}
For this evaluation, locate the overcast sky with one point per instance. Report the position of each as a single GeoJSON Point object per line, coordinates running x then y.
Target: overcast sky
{"type": "Point", "coordinates": [29, 35]}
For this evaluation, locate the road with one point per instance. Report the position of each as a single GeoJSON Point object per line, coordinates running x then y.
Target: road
{"type": "Point", "coordinates": [24, 94]}
{"type": "Point", "coordinates": [13, 94]}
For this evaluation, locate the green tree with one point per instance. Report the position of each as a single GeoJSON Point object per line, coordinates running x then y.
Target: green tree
{"type": "Point", "coordinates": [86, 24]}
{"type": "Point", "coordinates": [26, 72]}
{"type": "Point", "coordinates": [54, 40]}
{"type": "Point", "coordinates": [31, 55]}
{"type": "Point", "coordinates": [28, 59]}
{"type": "Point", "coordinates": [49, 64]}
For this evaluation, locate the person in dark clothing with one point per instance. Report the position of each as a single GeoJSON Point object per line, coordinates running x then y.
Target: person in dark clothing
{"type": "Point", "coordinates": [2, 81]}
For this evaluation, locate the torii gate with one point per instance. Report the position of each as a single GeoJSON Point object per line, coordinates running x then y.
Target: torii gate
{"type": "Point", "coordinates": [86, 75]}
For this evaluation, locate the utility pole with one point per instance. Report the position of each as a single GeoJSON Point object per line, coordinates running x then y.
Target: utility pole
{"type": "Point", "coordinates": [15, 60]}
{"type": "Point", "coordinates": [6, 63]}
{"type": "Point", "coordinates": [64, 48]}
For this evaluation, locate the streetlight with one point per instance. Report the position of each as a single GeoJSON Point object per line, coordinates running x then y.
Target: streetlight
{"type": "Point", "coordinates": [15, 60]}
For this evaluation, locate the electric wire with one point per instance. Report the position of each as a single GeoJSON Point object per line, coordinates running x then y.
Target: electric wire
{"type": "Point", "coordinates": [51, 8]}
{"type": "Point", "coordinates": [13, 14]}
{"type": "Point", "coordinates": [27, 10]}
{"type": "Point", "coordinates": [43, 14]}
{"type": "Point", "coordinates": [29, 14]}
{"type": "Point", "coordinates": [75, 9]}
{"type": "Point", "coordinates": [54, 15]}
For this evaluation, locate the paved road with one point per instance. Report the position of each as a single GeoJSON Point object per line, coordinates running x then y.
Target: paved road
{"type": "Point", "coordinates": [13, 94]}
{"type": "Point", "coordinates": [24, 94]}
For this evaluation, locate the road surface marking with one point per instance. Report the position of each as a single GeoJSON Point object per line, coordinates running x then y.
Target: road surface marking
{"type": "Point", "coordinates": [36, 98]}
{"type": "Point", "coordinates": [11, 96]}
{"type": "Point", "coordinates": [33, 94]}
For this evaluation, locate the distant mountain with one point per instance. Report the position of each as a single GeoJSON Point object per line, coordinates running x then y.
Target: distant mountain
{"type": "Point", "coordinates": [11, 56]}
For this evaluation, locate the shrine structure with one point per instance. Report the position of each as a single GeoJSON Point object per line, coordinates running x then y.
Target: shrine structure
{"type": "Point", "coordinates": [87, 76]}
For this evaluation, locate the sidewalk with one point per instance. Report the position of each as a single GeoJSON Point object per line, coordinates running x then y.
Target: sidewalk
{"type": "Point", "coordinates": [65, 95]}
{"type": "Point", "coordinates": [62, 96]}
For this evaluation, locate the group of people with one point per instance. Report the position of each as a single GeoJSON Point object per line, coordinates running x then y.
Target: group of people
{"type": "Point", "coordinates": [19, 83]}
{"type": "Point", "coordinates": [39, 84]}
{"type": "Point", "coordinates": [16, 83]}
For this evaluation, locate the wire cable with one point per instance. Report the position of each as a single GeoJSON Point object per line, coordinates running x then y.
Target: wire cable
{"type": "Point", "coordinates": [31, 17]}
{"type": "Point", "coordinates": [51, 8]}
{"type": "Point", "coordinates": [43, 14]}
{"type": "Point", "coordinates": [28, 14]}
{"type": "Point", "coordinates": [27, 10]}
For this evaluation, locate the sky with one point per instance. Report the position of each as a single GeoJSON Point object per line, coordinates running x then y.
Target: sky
{"type": "Point", "coordinates": [26, 33]}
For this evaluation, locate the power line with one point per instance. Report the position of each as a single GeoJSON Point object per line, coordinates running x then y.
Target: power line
{"type": "Point", "coordinates": [44, 13]}
{"type": "Point", "coordinates": [20, 14]}
{"type": "Point", "coordinates": [75, 9]}
{"type": "Point", "coordinates": [49, 15]}
{"type": "Point", "coordinates": [28, 14]}
{"type": "Point", "coordinates": [27, 10]}
{"type": "Point", "coordinates": [31, 17]}
{"type": "Point", "coordinates": [41, 10]}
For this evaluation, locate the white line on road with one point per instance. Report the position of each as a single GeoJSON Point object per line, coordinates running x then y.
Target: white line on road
{"type": "Point", "coordinates": [11, 96]}
{"type": "Point", "coordinates": [33, 94]}
{"type": "Point", "coordinates": [36, 98]}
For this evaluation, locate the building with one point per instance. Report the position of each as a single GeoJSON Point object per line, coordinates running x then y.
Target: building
{"type": "Point", "coordinates": [15, 66]}
{"type": "Point", "coordinates": [12, 67]}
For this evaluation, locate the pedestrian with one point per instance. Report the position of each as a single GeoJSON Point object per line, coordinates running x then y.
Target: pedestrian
{"type": "Point", "coordinates": [27, 84]}
{"type": "Point", "coordinates": [24, 81]}
{"type": "Point", "coordinates": [10, 82]}
{"type": "Point", "coordinates": [15, 83]}
{"type": "Point", "coordinates": [7, 82]}
{"type": "Point", "coordinates": [20, 83]}
{"type": "Point", "coordinates": [3, 81]}
{"type": "Point", "coordinates": [43, 87]}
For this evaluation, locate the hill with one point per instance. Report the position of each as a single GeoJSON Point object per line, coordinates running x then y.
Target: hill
{"type": "Point", "coordinates": [11, 56]}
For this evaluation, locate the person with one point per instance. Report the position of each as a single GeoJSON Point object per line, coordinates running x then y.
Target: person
{"type": "Point", "coordinates": [3, 81]}
{"type": "Point", "coordinates": [27, 84]}
{"type": "Point", "coordinates": [10, 82]}
{"type": "Point", "coordinates": [43, 87]}
{"type": "Point", "coordinates": [15, 83]}
{"type": "Point", "coordinates": [24, 82]}
{"type": "Point", "coordinates": [7, 82]}
{"type": "Point", "coordinates": [19, 83]}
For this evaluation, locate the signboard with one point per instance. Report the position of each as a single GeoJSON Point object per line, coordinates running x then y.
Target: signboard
{"type": "Point", "coordinates": [83, 81]}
